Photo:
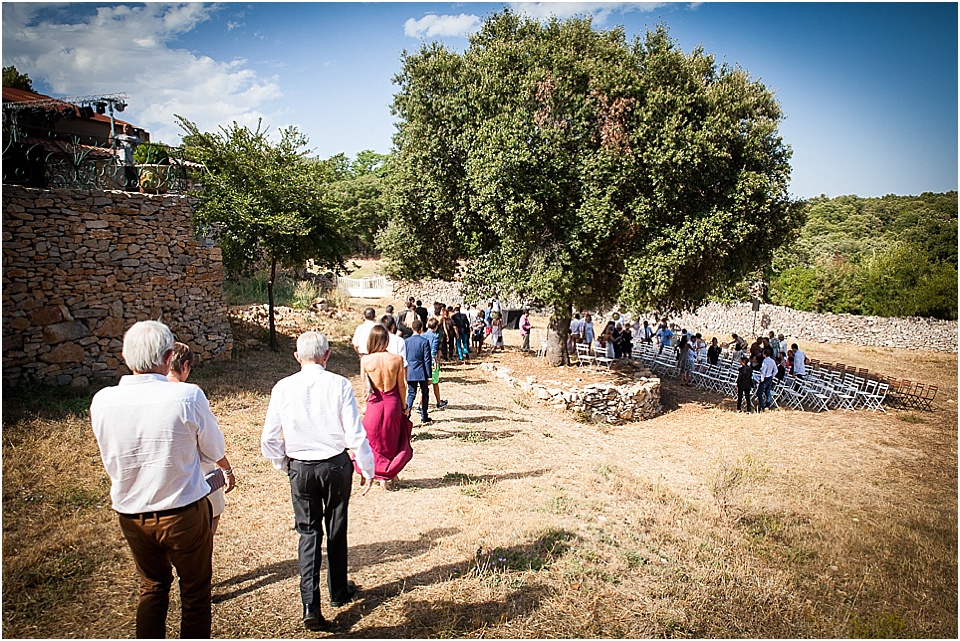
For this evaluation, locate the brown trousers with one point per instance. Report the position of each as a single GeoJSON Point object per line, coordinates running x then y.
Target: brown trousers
{"type": "Point", "coordinates": [160, 543]}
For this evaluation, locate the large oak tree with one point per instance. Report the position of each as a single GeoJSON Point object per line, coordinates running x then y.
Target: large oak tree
{"type": "Point", "coordinates": [573, 168]}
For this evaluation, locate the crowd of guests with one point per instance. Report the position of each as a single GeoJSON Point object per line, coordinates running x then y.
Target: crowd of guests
{"type": "Point", "coordinates": [462, 330]}
{"type": "Point", "coordinates": [767, 355]}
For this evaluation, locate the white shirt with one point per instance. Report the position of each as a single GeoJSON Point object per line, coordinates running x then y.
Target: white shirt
{"type": "Point", "coordinates": [312, 416]}
{"type": "Point", "coordinates": [768, 369]}
{"type": "Point", "coordinates": [799, 363]}
{"type": "Point", "coordinates": [153, 437]}
{"type": "Point", "coordinates": [398, 346]}
{"type": "Point", "coordinates": [361, 335]}
{"type": "Point", "coordinates": [576, 326]}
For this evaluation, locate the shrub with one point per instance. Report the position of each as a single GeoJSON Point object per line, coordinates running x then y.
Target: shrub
{"type": "Point", "coordinates": [151, 153]}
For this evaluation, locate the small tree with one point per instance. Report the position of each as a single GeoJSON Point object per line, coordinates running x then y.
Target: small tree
{"type": "Point", "coordinates": [263, 201]}
{"type": "Point", "coordinates": [16, 80]}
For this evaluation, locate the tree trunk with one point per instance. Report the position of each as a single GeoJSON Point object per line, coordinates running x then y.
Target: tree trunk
{"type": "Point", "coordinates": [273, 326]}
{"type": "Point", "coordinates": [558, 330]}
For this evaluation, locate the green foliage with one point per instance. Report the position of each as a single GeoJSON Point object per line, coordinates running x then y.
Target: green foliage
{"type": "Point", "coordinates": [252, 289]}
{"type": "Point", "coordinates": [571, 167]}
{"type": "Point", "coordinates": [890, 256]}
{"type": "Point", "coordinates": [151, 153]}
{"type": "Point", "coordinates": [16, 80]}
{"type": "Point", "coordinates": [265, 201]}
{"type": "Point", "coordinates": [304, 292]}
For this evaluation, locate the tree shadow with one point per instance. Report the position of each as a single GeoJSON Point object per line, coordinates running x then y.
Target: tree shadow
{"type": "Point", "coordinates": [359, 556]}
{"type": "Point", "coordinates": [673, 396]}
{"type": "Point", "coordinates": [449, 618]}
{"type": "Point", "coordinates": [455, 480]}
{"type": "Point", "coordinates": [460, 380]}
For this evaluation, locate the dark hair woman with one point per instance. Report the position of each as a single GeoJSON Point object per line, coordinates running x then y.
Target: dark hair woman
{"type": "Point", "coordinates": [387, 426]}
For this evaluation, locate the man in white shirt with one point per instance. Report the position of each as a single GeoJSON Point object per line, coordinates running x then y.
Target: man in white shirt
{"type": "Point", "coordinates": [397, 344]}
{"type": "Point", "coordinates": [153, 436]}
{"type": "Point", "coordinates": [768, 369]}
{"type": "Point", "coordinates": [311, 421]}
{"type": "Point", "coordinates": [362, 333]}
{"type": "Point", "coordinates": [799, 362]}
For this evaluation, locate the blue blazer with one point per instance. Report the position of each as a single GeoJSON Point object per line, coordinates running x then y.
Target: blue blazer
{"type": "Point", "coordinates": [419, 359]}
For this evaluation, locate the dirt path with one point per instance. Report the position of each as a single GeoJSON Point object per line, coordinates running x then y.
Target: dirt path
{"type": "Point", "coordinates": [515, 520]}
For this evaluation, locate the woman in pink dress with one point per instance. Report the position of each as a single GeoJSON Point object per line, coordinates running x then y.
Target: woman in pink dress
{"type": "Point", "coordinates": [387, 426]}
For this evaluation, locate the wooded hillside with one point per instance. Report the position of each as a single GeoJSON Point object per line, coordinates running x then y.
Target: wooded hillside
{"type": "Point", "coordinates": [890, 256]}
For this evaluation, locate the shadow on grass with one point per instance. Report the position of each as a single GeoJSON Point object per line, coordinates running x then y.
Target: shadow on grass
{"type": "Point", "coordinates": [457, 479]}
{"type": "Point", "coordinates": [359, 555]}
{"type": "Point", "coordinates": [456, 618]}
{"type": "Point", "coordinates": [255, 579]}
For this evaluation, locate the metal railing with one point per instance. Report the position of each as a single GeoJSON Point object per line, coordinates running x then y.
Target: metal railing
{"type": "Point", "coordinates": [75, 163]}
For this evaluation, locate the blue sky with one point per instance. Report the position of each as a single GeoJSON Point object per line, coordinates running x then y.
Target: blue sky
{"type": "Point", "coordinates": [869, 89]}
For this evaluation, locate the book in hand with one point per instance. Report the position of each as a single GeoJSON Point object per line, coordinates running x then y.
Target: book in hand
{"type": "Point", "coordinates": [215, 480]}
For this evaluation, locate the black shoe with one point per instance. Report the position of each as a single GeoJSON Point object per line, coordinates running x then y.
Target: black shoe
{"type": "Point", "coordinates": [351, 592]}
{"type": "Point", "coordinates": [441, 405]}
{"type": "Point", "coordinates": [424, 421]}
{"type": "Point", "coordinates": [312, 619]}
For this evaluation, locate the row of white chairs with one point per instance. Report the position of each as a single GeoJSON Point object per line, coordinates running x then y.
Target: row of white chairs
{"type": "Point", "coordinates": [820, 390]}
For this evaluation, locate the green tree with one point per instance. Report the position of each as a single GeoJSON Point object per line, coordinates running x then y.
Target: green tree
{"type": "Point", "coordinates": [575, 169]}
{"type": "Point", "coordinates": [890, 256]}
{"type": "Point", "coordinates": [15, 79]}
{"type": "Point", "coordinates": [264, 201]}
{"type": "Point", "coordinates": [356, 192]}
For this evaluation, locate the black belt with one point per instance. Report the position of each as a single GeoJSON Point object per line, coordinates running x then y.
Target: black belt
{"type": "Point", "coordinates": [159, 513]}
{"type": "Point", "coordinates": [326, 460]}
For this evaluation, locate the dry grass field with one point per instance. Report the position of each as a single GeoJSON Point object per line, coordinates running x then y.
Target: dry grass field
{"type": "Point", "coordinates": [516, 520]}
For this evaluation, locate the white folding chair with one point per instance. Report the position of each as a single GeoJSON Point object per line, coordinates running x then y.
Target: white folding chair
{"type": "Point", "coordinates": [874, 401]}
{"type": "Point", "coordinates": [583, 355]}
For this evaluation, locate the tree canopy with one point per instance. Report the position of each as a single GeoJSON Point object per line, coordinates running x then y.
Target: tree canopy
{"type": "Point", "coordinates": [15, 79]}
{"type": "Point", "coordinates": [574, 168]}
{"type": "Point", "coordinates": [264, 201]}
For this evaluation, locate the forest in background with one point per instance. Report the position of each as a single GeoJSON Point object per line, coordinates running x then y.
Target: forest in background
{"type": "Point", "coordinates": [890, 256]}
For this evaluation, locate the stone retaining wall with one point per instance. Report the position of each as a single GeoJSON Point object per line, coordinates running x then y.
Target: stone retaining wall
{"type": "Point", "coordinates": [80, 267]}
{"type": "Point", "coordinates": [715, 319]}
{"type": "Point", "coordinates": [719, 320]}
{"type": "Point", "coordinates": [600, 402]}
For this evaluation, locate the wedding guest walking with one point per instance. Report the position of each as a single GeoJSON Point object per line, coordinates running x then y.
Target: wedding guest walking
{"type": "Point", "coordinates": [312, 420]}
{"type": "Point", "coordinates": [385, 419]}
{"type": "Point", "coordinates": [154, 438]}
{"type": "Point", "coordinates": [419, 371]}
{"type": "Point", "coordinates": [180, 367]}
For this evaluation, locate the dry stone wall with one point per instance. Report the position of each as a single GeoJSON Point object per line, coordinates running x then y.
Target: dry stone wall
{"type": "Point", "coordinates": [719, 320]}
{"type": "Point", "coordinates": [80, 267]}
{"type": "Point", "coordinates": [599, 402]}
{"type": "Point", "coordinates": [715, 319]}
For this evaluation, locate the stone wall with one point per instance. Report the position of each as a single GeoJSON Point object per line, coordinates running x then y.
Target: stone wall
{"type": "Point", "coordinates": [598, 402]}
{"type": "Point", "coordinates": [719, 320]}
{"type": "Point", "coordinates": [80, 267]}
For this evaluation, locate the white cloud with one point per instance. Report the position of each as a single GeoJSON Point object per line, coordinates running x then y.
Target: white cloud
{"type": "Point", "coordinates": [600, 11]}
{"type": "Point", "coordinates": [120, 48]}
{"type": "Point", "coordinates": [432, 25]}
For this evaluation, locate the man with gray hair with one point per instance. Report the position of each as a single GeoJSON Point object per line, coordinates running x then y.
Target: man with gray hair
{"type": "Point", "coordinates": [312, 420]}
{"type": "Point", "coordinates": [153, 437]}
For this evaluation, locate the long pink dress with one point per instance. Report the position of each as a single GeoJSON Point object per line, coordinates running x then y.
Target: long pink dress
{"type": "Point", "coordinates": [388, 431]}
